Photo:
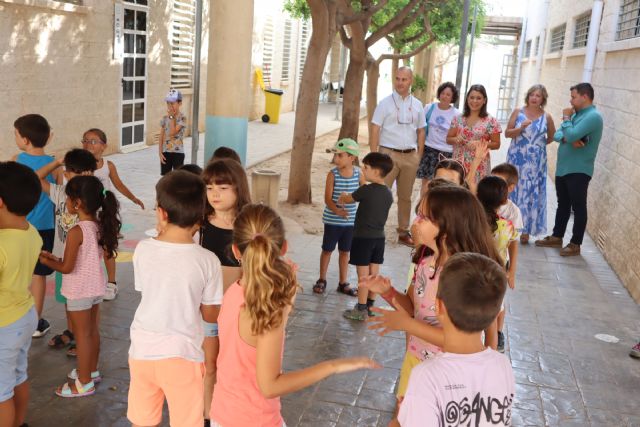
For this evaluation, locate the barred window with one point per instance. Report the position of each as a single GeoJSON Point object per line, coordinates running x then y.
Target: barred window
{"type": "Point", "coordinates": [581, 32]}
{"type": "Point", "coordinates": [628, 20]}
{"type": "Point", "coordinates": [537, 45]}
{"type": "Point", "coordinates": [182, 38]}
{"type": "Point", "coordinates": [557, 38]}
{"type": "Point", "coordinates": [527, 49]}
{"type": "Point", "coordinates": [267, 51]}
{"type": "Point", "coordinates": [304, 43]}
{"type": "Point", "coordinates": [286, 52]}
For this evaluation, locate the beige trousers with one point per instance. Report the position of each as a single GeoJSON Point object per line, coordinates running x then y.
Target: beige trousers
{"type": "Point", "coordinates": [405, 166]}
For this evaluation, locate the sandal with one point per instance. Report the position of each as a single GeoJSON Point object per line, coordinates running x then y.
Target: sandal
{"type": "Point", "coordinates": [95, 376]}
{"type": "Point", "coordinates": [58, 341]}
{"type": "Point", "coordinates": [320, 286]}
{"type": "Point", "coordinates": [345, 288]}
{"type": "Point", "coordinates": [71, 352]}
{"type": "Point", "coordinates": [524, 239]}
{"type": "Point", "coordinates": [82, 390]}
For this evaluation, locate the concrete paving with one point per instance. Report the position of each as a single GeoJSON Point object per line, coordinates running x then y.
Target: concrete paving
{"type": "Point", "coordinates": [565, 376]}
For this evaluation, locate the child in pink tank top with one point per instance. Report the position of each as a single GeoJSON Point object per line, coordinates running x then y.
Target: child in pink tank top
{"type": "Point", "coordinates": [252, 321]}
{"type": "Point", "coordinates": [83, 281]}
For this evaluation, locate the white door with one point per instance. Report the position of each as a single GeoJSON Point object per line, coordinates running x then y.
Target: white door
{"type": "Point", "coordinates": [134, 72]}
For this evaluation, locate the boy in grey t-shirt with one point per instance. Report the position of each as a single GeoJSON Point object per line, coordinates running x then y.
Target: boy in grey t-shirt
{"type": "Point", "coordinates": [367, 246]}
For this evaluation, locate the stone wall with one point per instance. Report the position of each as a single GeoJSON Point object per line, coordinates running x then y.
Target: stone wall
{"type": "Point", "coordinates": [614, 194]}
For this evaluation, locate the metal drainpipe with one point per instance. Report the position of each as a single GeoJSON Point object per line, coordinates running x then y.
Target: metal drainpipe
{"type": "Point", "coordinates": [541, 43]}
{"type": "Point", "coordinates": [195, 109]}
{"type": "Point", "coordinates": [516, 83]}
{"type": "Point", "coordinates": [592, 40]}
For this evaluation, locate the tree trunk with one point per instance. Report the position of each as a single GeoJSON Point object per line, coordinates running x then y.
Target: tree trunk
{"type": "Point", "coordinates": [323, 14]}
{"type": "Point", "coordinates": [353, 83]}
{"type": "Point", "coordinates": [373, 74]}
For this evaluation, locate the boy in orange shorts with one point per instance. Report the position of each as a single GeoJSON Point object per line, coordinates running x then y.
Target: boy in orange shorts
{"type": "Point", "coordinates": [181, 286]}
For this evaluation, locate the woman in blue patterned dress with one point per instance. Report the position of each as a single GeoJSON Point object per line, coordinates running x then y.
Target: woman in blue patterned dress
{"type": "Point", "coordinates": [531, 129]}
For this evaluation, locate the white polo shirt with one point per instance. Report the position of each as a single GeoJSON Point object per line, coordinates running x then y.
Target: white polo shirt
{"type": "Point", "coordinates": [399, 120]}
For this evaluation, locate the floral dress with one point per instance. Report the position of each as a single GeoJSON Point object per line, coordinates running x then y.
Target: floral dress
{"type": "Point", "coordinates": [528, 153]}
{"type": "Point", "coordinates": [482, 130]}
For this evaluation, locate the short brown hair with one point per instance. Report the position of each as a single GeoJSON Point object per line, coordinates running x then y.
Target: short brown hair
{"type": "Point", "coordinates": [543, 92]}
{"type": "Point", "coordinates": [182, 195]}
{"type": "Point", "coordinates": [34, 128]}
{"type": "Point", "coordinates": [507, 170]}
{"type": "Point", "coordinates": [472, 287]}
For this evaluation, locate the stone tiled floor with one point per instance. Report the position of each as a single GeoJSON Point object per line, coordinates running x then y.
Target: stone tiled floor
{"type": "Point", "coordinates": [565, 376]}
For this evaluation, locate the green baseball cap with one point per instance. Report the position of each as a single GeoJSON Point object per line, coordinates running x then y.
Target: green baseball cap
{"type": "Point", "coordinates": [347, 145]}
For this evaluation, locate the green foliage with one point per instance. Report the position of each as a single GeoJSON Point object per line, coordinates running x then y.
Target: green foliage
{"type": "Point", "coordinates": [298, 9]}
{"type": "Point", "coordinates": [418, 83]}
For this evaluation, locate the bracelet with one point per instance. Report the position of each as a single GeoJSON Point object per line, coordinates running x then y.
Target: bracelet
{"type": "Point", "coordinates": [388, 296]}
{"type": "Point", "coordinates": [171, 117]}
{"type": "Point", "coordinates": [210, 329]}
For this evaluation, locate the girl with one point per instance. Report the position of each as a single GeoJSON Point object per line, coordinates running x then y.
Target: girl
{"type": "Point", "coordinates": [83, 283]}
{"type": "Point", "coordinates": [473, 126]}
{"type": "Point", "coordinates": [227, 194]}
{"type": "Point", "coordinates": [95, 141]}
{"type": "Point", "coordinates": [252, 325]}
{"type": "Point", "coordinates": [449, 220]}
{"type": "Point", "coordinates": [451, 170]}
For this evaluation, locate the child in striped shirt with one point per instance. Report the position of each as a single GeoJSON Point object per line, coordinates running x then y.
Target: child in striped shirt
{"type": "Point", "coordinates": [339, 219]}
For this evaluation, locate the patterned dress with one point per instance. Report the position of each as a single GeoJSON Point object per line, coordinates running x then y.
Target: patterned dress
{"type": "Point", "coordinates": [482, 130]}
{"type": "Point", "coordinates": [528, 153]}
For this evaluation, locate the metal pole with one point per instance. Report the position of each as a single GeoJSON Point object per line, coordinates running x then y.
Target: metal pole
{"type": "Point", "coordinates": [195, 109]}
{"type": "Point", "coordinates": [473, 34]}
{"type": "Point", "coordinates": [592, 40]}
{"type": "Point", "coordinates": [463, 46]}
{"type": "Point", "coordinates": [343, 63]}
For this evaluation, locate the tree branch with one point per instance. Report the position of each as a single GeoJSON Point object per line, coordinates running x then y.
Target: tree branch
{"type": "Point", "coordinates": [365, 13]}
{"type": "Point", "coordinates": [346, 41]}
{"type": "Point", "coordinates": [393, 23]}
{"type": "Point", "coordinates": [427, 30]}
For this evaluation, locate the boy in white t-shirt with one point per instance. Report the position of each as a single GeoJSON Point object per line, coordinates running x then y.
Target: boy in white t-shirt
{"type": "Point", "coordinates": [181, 286]}
{"type": "Point", "coordinates": [76, 162]}
{"type": "Point", "coordinates": [466, 384]}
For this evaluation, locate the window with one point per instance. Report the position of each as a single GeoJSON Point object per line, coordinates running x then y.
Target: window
{"type": "Point", "coordinates": [267, 51]}
{"type": "Point", "coordinates": [140, 2]}
{"type": "Point", "coordinates": [304, 44]}
{"type": "Point", "coordinates": [581, 32]}
{"type": "Point", "coordinates": [628, 20]}
{"type": "Point", "coordinates": [286, 52]}
{"type": "Point", "coordinates": [181, 37]}
{"type": "Point", "coordinates": [537, 45]}
{"type": "Point", "coordinates": [527, 49]}
{"type": "Point", "coordinates": [557, 38]}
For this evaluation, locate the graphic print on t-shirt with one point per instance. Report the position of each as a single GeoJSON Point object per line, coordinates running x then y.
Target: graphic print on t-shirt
{"type": "Point", "coordinates": [479, 411]}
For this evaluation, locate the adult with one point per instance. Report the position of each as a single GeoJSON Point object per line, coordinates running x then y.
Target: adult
{"type": "Point", "coordinates": [439, 116]}
{"type": "Point", "coordinates": [474, 125]}
{"type": "Point", "coordinates": [531, 129]}
{"type": "Point", "coordinates": [579, 136]}
{"type": "Point", "coordinates": [398, 130]}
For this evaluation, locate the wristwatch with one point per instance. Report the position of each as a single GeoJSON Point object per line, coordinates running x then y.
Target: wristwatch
{"type": "Point", "coordinates": [171, 117]}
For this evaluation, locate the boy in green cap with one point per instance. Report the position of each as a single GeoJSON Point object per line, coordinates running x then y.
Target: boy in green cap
{"type": "Point", "coordinates": [339, 219]}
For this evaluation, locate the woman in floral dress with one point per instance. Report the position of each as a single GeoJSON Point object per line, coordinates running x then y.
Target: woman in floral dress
{"type": "Point", "coordinates": [474, 125]}
{"type": "Point", "coordinates": [531, 129]}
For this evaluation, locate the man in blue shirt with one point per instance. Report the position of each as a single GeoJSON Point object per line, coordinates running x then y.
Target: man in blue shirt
{"type": "Point", "coordinates": [579, 137]}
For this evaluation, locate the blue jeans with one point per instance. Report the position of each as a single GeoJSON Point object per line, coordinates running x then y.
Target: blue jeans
{"type": "Point", "coordinates": [15, 340]}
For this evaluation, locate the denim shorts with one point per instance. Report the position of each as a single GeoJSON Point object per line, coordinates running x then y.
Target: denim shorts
{"type": "Point", "coordinates": [81, 304]}
{"type": "Point", "coordinates": [15, 340]}
{"type": "Point", "coordinates": [340, 234]}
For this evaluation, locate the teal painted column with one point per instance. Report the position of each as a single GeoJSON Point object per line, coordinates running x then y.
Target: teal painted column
{"type": "Point", "coordinates": [229, 76]}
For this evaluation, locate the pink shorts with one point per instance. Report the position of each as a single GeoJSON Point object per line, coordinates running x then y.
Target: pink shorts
{"type": "Point", "coordinates": [179, 380]}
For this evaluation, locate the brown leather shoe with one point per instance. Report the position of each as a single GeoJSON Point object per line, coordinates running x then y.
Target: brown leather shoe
{"type": "Point", "coordinates": [570, 250]}
{"type": "Point", "coordinates": [405, 239]}
{"type": "Point", "coordinates": [550, 242]}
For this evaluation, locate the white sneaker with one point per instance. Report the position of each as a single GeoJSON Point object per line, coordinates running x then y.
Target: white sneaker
{"type": "Point", "coordinates": [111, 291]}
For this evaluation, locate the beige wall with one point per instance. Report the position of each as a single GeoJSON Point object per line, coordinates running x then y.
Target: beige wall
{"type": "Point", "coordinates": [614, 193]}
{"type": "Point", "coordinates": [58, 61]}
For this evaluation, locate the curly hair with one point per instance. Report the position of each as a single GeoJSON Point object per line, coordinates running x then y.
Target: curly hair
{"type": "Point", "coordinates": [271, 284]}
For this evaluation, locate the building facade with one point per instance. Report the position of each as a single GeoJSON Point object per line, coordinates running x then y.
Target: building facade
{"type": "Point", "coordinates": [555, 53]}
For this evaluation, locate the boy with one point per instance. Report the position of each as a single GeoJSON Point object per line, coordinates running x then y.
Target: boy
{"type": "Point", "coordinates": [367, 246]}
{"type": "Point", "coordinates": [181, 284]}
{"type": "Point", "coordinates": [32, 132]}
{"type": "Point", "coordinates": [76, 162]}
{"type": "Point", "coordinates": [338, 220]}
{"type": "Point", "coordinates": [509, 211]}
{"type": "Point", "coordinates": [466, 384]}
{"type": "Point", "coordinates": [20, 246]}
{"type": "Point", "coordinates": [171, 134]}
{"type": "Point", "coordinates": [225, 153]}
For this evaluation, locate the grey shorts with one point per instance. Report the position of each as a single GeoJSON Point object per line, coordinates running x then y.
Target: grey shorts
{"type": "Point", "coordinates": [83, 303]}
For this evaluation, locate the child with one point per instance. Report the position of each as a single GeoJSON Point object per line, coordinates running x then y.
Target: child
{"type": "Point", "coordinates": [171, 134]}
{"type": "Point", "coordinates": [77, 162]}
{"type": "Point", "coordinates": [225, 153]}
{"type": "Point", "coordinates": [367, 246]}
{"type": "Point", "coordinates": [95, 141]}
{"type": "Point", "coordinates": [32, 132]}
{"type": "Point", "coordinates": [83, 283]}
{"type": "Point", "coordinates": [191, 167]}
{"type": "Point", "coordinates": [338, 220]}
{"type": "Point", "coordinates": [465, 373]}
{"type": "Point", "coordinates": [20, 246]}
{"type": "Point", "coordinates": [252, 329]}
{"type": "Point", "coordinates": [450, 220]}
{"type": "Point", "coordinates": [181, 285]}
{"type": "Point", "coordinates": [493, 193]}
{"type": "Point", "coordinates": [227, 193]}
{"type": "Point", "coordinates": [451, 170]}
{"type": "Point", "coordinates": [510, 210]}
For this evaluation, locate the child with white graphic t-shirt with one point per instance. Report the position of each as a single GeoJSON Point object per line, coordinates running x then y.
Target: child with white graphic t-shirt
{"type": "Point", "coordinates": [466, 384]}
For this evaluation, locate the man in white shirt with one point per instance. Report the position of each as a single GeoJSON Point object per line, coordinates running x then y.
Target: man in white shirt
{"type": "Point", "coordinates": [398, 130]}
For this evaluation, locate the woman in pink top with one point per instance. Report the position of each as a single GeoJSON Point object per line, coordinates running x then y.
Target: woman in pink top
{"type": "Point", "coordinates": [84, 283]}
{"type": "Point", "coordinates": [252, 325]}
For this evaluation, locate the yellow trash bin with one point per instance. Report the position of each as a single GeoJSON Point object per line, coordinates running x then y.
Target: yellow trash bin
{"type": "Point", "coordinates": [272, 98]}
